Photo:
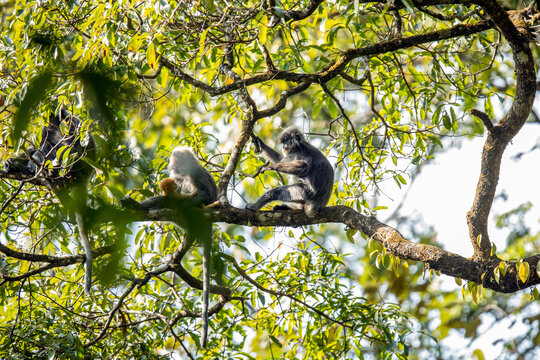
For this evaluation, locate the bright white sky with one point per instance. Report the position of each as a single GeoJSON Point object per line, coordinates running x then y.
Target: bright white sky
{"type": "Point", "coordinates": [443, 193]}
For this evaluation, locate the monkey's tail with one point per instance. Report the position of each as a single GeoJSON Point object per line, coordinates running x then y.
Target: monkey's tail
{"type": "Point", "coordinates": [88, 252]}
{"type": "Point", "coordinates": [206, 247]}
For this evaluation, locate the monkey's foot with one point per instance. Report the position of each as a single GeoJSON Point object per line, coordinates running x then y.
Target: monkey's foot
{"type": "Point", "coordinates": [252, 207]}
{"type": "Point", "coordinates": [282, 207]}
{"type": "Point", "coordinates": [128, 203]}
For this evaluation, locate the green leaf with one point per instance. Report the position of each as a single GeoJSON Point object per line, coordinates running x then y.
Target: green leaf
{"type": "Point", "coordinates": [447, 122]}
{"type": "Point", "coordinates": [275, 341]}
{"type": "Point", "coordinates": [36, 91]}
{"type": "Point", "coordinates": [317, 107]}
{"type": "Point", "coordinates": [332, 107]}
{"type": "Point", "coordinates": [409, 5]}
{"type": "Point", "coordinates": [350, 232]}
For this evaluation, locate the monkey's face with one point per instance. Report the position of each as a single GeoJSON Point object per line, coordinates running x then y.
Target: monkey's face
{"type": "Point", "coordinates": [168, 186]}
{"type": "Point", "coordinates": [291, 139]}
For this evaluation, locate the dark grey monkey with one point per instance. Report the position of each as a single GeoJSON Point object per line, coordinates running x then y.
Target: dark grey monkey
{"type": "Point", "coordinates": [52, 140]}
{"type": "Point", "coordinates": [314, 176]}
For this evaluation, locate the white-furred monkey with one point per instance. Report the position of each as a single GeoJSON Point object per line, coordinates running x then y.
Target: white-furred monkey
{"type": "Point", "coordinates": [190, 179]}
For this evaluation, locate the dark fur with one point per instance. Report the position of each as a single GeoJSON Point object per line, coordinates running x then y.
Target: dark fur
{"type": "Point", "coordinates": [314, 176]}
{"type": "Point", "coordinates": [52, 139]}
{"type": "Point", "coordinates": [73, 182]}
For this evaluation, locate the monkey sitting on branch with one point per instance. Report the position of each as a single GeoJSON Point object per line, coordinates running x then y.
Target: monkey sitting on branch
{"type": "Point", "coordinates": [189, 177]}
{"type": "Point", "coordinates": [313, 173]}
{"type": "Point", "coordinates": [189, 184]}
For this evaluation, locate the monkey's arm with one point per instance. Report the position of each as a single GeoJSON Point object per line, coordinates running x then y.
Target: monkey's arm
{"type": "Point", "coordinates": [267, 151]}
{"type": "Point", "coordinates": [298, 168]}
{"type": "Point", "coordinates": [205, 184]}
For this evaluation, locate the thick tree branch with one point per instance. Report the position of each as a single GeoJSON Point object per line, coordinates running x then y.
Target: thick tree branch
{"type": "Point", "coordinates": [484, 117]}
{"type": "Point", "coordinates": [500, 135]}
{"type": "Point", "coordinates": [236, 154]}
{"type": "Point", "coordinates": [55, 260]}
{"type": "Point", "coordinates": [478, 271]}
{"type": "Point", "coordinates": [29, 178]}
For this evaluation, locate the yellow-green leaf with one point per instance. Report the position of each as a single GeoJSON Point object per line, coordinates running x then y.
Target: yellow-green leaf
{"type": "Point", "coordinates": [524, 271]}
{"type": "Point", "coordinates": [151, 56]}
{"type": "Point", "coordinates": [202, 42]}
{"type": "Point", "coordinates": [477, 293]}
{"type": "Point", "coordinates": [497, 274]}
{"type": "Point", "coordinates": [164, 76]}
{"type": "Point", "coordinates": [263, 30]}
{"type": "Point", "coordinates": [134, 44]}
{"type": "Point", "coordinates": [502, 268]}
{"type": "Point", "coordinates": [458, 281]}
{"type": "Point", "coordinates": [474, 294]}
{"type": "Point", "coordinates": [478, 354]}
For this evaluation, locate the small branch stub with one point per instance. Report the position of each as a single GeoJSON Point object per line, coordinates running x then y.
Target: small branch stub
{"type": "Point", "coordinates": [484, 117]}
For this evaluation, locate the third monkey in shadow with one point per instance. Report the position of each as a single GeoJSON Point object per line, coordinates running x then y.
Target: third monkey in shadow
{"type": "Point", "coordinates": [313, 173]}
{"type": "Point", "coordinates": [71, 188]}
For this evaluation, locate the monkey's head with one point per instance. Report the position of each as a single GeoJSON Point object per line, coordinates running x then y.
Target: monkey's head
{"type": "Point", "coordinates": [182, 161]}
{"type": "Point", "coordinates": [291, 139]}
{"type": "Point", "coordinates": [168, 186]}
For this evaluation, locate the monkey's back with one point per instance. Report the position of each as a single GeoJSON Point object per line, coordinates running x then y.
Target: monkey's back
{"type": "Point", "coordinates": [201, 186]}
{"type": "Point", "coordinates": [191, 178]}
{"type": "Point", "coordinates": [320, 173]}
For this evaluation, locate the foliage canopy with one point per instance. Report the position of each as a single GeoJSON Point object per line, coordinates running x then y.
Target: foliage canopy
{"type": "Point", "coordinates": [377, 85]}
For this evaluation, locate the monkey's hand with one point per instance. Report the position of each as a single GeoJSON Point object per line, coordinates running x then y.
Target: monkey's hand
{"type": "Point", "coordinates": [266, 168]}
{"type": "Point", "coordinates": [257, 143]}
